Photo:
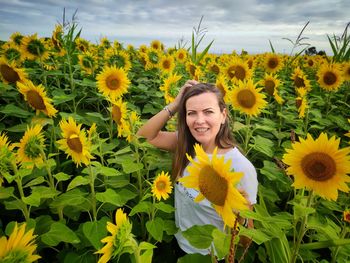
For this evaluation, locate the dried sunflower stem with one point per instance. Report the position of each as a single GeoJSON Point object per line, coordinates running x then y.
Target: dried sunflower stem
{"type": "Point", "coordinates": [231, 256]}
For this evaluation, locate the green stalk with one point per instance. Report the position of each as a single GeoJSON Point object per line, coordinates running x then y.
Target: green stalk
{"type": "Point", "coordinates": [302, 231]}
{"type": "Point", "coordinates": [336, 251]}
{"type": "Point", "coordinates": [18, 180]}
{"type": "Point", "coordinates": [93, 194]}
{"type": "Point", "coordinates": [51, 181]}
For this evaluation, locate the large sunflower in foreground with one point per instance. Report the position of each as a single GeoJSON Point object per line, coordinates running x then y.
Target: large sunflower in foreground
{"type": "Point", "coordinates": [9, 73]}
{"type": "Point", "coordinates": [247, 98]}
{"type": "Point", "coordinates": [330, 76]}
{"type": "Point", "coordinates": [216, 182]}
{"type": "Point", "coordinates": [19, 247]}
{"type": "Point", "coordinates": [113, 82]}
{"type": "Point", "coordinates": [31, 146]}
{"type": "Point", "coordinates": [120, 237]}
{"type": "Point", "coordinates": [36, 97]}
{"type": "Point", "coordinates": [75, 142]}
{"type": "Point", "coordinates": [319, 165]}
{"type": "Point", "coordinates": [162, 187]}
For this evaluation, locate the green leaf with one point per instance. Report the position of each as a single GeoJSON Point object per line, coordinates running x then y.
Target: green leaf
{"type": "Point", "coordinates": [199, 236]}
{"type": "Point", "coordinates": [35, 181]}
{"type": "Point", "coordinates": [116, 198]}
{"type": "Point", "coordinates": [194, 258]}
{"type": "Point", "coordinates": [61, 176]}
{"type": "Point", "coordinates": [155, 228]}
{"type": "Point", "coordinates": [131, 167]}
{"type": "Point", "coordinates": [73, 197]}
{"type": "Point", "coordinates": [59, 97]}
{"type": "Point", "coordinates": [95, 231]}
{"type": "Point", "coordinates": [259, 236]}
{"type": "Point", "coordinates": [221, 243]}
{"type": "Point", "coordinates": [6, 192]}
{"type": "Point", "coordinates": [141, 207]}
{"type": "Point", "coordinates": [170, 227]}
{"type": "Point", "coordinates": [164, 207]}
{"type": "Point", "coordinates": [107, 171]}
{"type": "Point", "coordinates": [78, 180]}
{"type": "Point", "coordinates": [264, 145]}
{"type": "Point", "coordinates": [59, 233]}
{"type": "Point", "coordinates": [33, 199]}
{"type": "Point", "coordinates": [45, 192]}
{"type": "Point", "coordinates": [12, 110]}
{"type": "Point", "coordinates": [301, 210]}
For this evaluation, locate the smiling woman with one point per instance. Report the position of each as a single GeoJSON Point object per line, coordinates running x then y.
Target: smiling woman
{"type": "Point", "coordinates": [207, 192]}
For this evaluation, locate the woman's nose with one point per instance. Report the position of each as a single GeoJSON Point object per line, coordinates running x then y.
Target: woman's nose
{"type": "Point", "coordinates": [200, 118]}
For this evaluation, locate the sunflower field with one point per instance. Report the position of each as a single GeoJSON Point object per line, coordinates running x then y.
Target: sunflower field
{"type": "Point", "coordinates": [78, 185]}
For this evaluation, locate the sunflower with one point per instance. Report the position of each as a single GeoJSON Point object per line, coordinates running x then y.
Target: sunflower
{"type": "Point", "coordinates": [120, 115]}
{"type": "Point", "coordinates": [120, 237]}
{"type": "Point", "coordinates": [300, 80]}
{"type": "Point", "coordinates": [9, 73]}
{"type": "Point", "coordinates": [346, 216]}
{"type": "Point", "coordinates": [143, 49]}
{"type": "Point", "coordinates": [19, 247]}
{"type": "Point", "coordinates": [75, 142]}
{"type": "Point", "coordinates": [157, 45]}
{"type": "Point", "coordinates": [34, 48]}
{"type": "Point", "coordinates": [273, 62]}
{"type": "Point", "coordinates": [319, 165]}
{"type": "Point", "coordinates": [7, 158]}
{"type": "Point", "coordinates": [346, 71]}
{"type": "Point", "coordinates": [170, 87]}
{"type": "Point", "coordinates": [113, 82]}
{"type": "Point", "coordinates": [330, 76]}
{"type": "Point", "coordinates": [16, 38]}
{"type": "Point", "coordinates": [166, 64]}
{"type": "Point", "coordinates": [194, 70]}
{"type": "Point", "coordinates": [221, 84]}
{"type": "Point", "coordinates": [152, 58]}
{"type": "Point", "coordinates": [162, 187]}
{"type": "Point", "coordinates": [87, 62]}
{"type": "Point", "coordinates": [270, 83]}
{"type": "Point", "coordinates": [36, 97]}
{"type": "Point", "coordinates": [215, 182]}
{"type": "Point", "coordinates": [12, 52]}
{"type": "Point", "coordinates": [82, 44]}
{"type": "Point", "coordinates": [31, 146]}
{"type": "Point", "coordinates": [301, 102]}
{"type": "Point", "coordinates": [57, 36]}
{"type": "Point", "coordinates": [181, 55]}
{"type": "Point", "coordinates": [238, 70]}
{"type": "Point", "coordinates": [213, 67]}
{"type": "Point", "coordinates": [121, 59]}
{"type": "Point", "coordinates": [247, 98]}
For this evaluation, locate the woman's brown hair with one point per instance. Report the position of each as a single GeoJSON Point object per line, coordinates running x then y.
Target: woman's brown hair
{"type": "Point", "coordinates": [186, 141]}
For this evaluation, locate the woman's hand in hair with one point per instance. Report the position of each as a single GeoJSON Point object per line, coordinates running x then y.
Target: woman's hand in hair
{"type": "Point", "coordinates": [176, 102]}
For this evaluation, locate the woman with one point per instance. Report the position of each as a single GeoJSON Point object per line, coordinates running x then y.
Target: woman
{"type": "Point", "coordinates": [202, 118]}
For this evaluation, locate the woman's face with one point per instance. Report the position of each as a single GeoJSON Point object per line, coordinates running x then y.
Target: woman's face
{"type": "Point", "coordinates": [204, 118]}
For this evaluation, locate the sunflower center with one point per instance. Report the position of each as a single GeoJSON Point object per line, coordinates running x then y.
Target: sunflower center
{"type": "Point", "coordinates": [215, 69]}
{"type": "Point", "coordinates": [240, 73]}
{"type": "Point", "coordinates": [298, 102]}
{"type": "Point", "coordinates": [310, 62]}
{"type": "Point", "coordinates": [231, 72]}
{"type": "Point", "coordinates": [117, 114]}
{"type": "Point", "coordinates": [269, 86]}
{"type": "Point", "coordinates": [35, 100]}
{"type": "Point", "coordinates": [329, 78]}
{"type": "Point", "coordinates": [272, 63]}
{"type": "Point", "coordinates": [74, 143]}
{"type": "Point", "coordinates": [112, 82]}
{"type": "Point", "coordinates": [32, 147]}
{"type": "Point", "coordinates": [318, 166]}
{"type": "Point", "coordinates": [299, 82]}
{"type": "Point", "coordinates": [347, 217]}
{"type": "Point", "coordinates": [246, 98]}
{"type": "Point", "coordinates": [192, 70]}
{"type": "Point", "coordinates": [166, 64]}
{"type": "Point", "coordinates": [161, 185]}
{"type": "Point", "coordinates": [181, 56]}
{"type": "Point", "coordinates": [8, 73]}
{"type": "Point", "coordinates": [213, 186]}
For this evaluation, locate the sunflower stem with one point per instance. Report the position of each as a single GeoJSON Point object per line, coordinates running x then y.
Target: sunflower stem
{"type": "Point", "coordinates": [336, 250]}
{"type": "Point", "coordinates": [247, 135]}
{"type": "Point", "coordinates": [302, 231]}
{"type": "Point", "coordinates": [328, 102]}
{"type": "Point", "coordinates": [18, 180]}
{"type": "Point", "coordinates": [51, 180]}
{"type": "Point", "coordinates": [93, 195]}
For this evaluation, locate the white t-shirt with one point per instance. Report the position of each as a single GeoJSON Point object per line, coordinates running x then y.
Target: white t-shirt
{"type": "Point", "coordinates": [189, 213]}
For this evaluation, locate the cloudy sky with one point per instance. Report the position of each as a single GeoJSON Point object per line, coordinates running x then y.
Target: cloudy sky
{"type": "Point", "coordinates": [232, 24]}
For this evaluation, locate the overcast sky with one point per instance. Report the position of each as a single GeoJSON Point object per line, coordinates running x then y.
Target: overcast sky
{"type": "Point", "coordinates": [232, 24]}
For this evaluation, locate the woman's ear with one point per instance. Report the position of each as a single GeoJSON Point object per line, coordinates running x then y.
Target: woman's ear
{"type": "Point", "coordinates": [224, 113]}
